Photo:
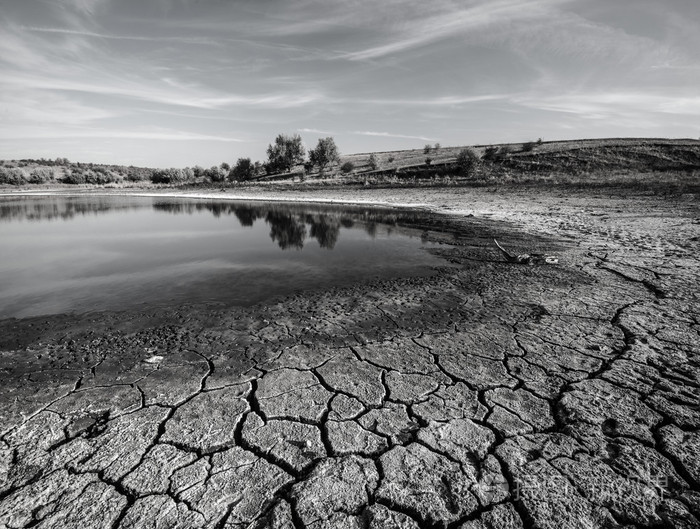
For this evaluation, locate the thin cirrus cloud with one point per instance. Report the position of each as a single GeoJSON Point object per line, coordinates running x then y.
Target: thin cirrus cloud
{"type": "Point", "coordinates": [608, 105]}
{"type": "Point", "coordinates": [391, 135]}
{"type": "Point", "coordinates": [145, 38]}
{"type": "Point", "coordinates": [160, 91]}
{"type": "Point", "coordinates": [423, 31]}
{"type": "Point", "coordinates": [125, 134]}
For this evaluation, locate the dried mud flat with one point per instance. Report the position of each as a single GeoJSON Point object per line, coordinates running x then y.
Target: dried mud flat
{"type": "Point", "coordinates": [488, 395]}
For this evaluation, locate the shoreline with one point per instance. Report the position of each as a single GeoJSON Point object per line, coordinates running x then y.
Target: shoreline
{"type": "Point", "coordinates": [467, 396]}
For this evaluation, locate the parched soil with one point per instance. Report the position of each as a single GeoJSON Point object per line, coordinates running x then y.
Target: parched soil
{"type": "Point", "coordinates": [490, 394]}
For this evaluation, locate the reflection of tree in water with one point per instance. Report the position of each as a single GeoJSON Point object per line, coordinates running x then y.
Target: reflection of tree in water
{"type": "Point", "coordinates": [247, 216]}
{"type": "Point", "coordinates": [324, 229]}
{"type": "Point", "coordinates": [371, 228]}
{"type": "Point", "coordinates": [58, 208]}
{"type": "Point", "coordinates": [287, 231]}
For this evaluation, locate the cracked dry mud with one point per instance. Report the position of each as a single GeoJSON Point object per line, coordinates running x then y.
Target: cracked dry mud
{"type": "Point", "coordinates": [488, 395]}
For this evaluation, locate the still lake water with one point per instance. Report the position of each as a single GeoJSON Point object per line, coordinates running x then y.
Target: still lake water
{"type": "Point", "coordinates": [77, 254]}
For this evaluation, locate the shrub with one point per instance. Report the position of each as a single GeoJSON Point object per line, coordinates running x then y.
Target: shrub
{"type": "Point", "coordinates": [168, 176]}
{"type": "Point", "coordinates": [373, 162]}
{"type": "Point", "coordinates": [13, 176]}
{"type": "Point", "coordinates": [427, 149]}
{"type": "Point", "coordinates": [529, 146]}
{"type": "Point", "coordinates": [215, 174]}
{"type": "Point", "coordinates": [467, 161]}
{"type": "Point", "coordinates": [428, 160]}
{"type": "Point", "coordinates": [491, 153]}
{"type": "Point", "coordinates": [243, 170]}
{"type": "Point", "coordinates": [391, 159]}
{"type": "Point", "coordinates": [436, 147]}
{"type": "Point", "coordinates": [347, 167]}
{"type": "Point", "coordinates": [40, 175]}
{"type": "Point", "coordinates": [74, 177]}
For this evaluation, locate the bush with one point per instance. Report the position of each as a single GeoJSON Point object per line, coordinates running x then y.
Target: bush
{"type": "Point", "coordinates": [467, 161]}
{"type": "Point", "coordinates": [529, 146]}
{"type": "Point", "coordinates": [372, 161]}
{"type": "Point", "coordinates": [138, 174]}
{"type": "Point", "coordinates": [243, 170]}
{"type": "Point", "coordinates": [428, 160]}
{"type": "Point", "coordinates": [391, 159]}
{"type": "Point", "coordinates": [167, 176]}
{"type": "Point", "coordinates": [40, 175]}
{"type": "Point", "coordinates": [347, 167]}
{"type": "Point", "coordinates": [215, 174]}
{"type": "Point", "coordinates": [427, 149]}
{"type": "Point", "coordinates": [13, 176]}
{"type": "Point", "coordinates": [491, 153]}
{"type": "Point", "coordinates": [74, 177]}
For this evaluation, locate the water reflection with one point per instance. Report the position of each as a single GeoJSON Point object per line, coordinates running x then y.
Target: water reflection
{"type": "Point", "coordinates": [290, 224]}
{"type": "Point", "coordinates": [144, 251]}
{"type": "Point", "coordinates": [59, 208]}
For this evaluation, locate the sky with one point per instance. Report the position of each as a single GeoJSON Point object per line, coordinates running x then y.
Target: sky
{"type": "Point", "coordinates": [175, 83]}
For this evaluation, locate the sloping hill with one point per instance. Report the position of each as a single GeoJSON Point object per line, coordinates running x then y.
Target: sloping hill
{"type": "Point", "coordinates": [567, 157]}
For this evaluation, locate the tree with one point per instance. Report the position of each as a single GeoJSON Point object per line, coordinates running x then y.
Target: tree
{"type": "Point", "coordinates": [286, 152]}
{"type": "Point", "coordinates": [436, 147]}
{"type": "Point", "coordinates": [427, 149]}
{"type": "Point", "coordinates": [215, 174]}
{"type": "Point", "coordinates": [325, 153]}
{"type": "Point", "coordinates": [347, 167]}
{"type": "Point", "coordinates": [467, 161]}
{"type": "Point", "coordinates": [243, 170]}
{"type": "Point", "coordinates": [373, 163]}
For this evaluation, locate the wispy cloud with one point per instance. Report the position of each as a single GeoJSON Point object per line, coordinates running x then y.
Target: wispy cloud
{"type": "Point", "coordinates": [147, 38]}
{"type": "Point", "coordinates": [316, 131]}
{"type": "Point", "coordinates": [424, 30]}
{"type": "Point", "coordinates": [610, 104]}
{"type": "Point", "coordinates": [163, 92]}
{"type": "Point", "coordinates": [116, 134]}
{"type": "Point", "coordinates": [391, 135]}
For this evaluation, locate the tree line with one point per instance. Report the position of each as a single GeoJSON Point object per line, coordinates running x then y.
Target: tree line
{"type": "Point", "coordinates": [285, 155]}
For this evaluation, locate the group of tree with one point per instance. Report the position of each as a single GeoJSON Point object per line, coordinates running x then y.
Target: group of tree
{"type": "Point", "coordinates": [288, 152]}
{"type": "Point", "coordinates": [285, 155]}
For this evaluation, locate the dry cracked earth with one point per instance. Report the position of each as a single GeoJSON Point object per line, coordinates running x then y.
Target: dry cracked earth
{"type": "Point", "coordinates": [488, 395]}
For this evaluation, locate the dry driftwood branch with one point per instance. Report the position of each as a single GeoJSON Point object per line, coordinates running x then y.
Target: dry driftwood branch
{"type": "Point", "coordinates": [526, 258]}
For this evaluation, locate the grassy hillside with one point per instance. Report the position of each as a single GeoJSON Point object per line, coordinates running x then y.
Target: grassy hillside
{"type": "Point", "coordinates": [574, 156]}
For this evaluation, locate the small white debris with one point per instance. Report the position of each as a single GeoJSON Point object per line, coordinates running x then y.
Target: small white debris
{"type": "Point", "coordinates": [155, 359]}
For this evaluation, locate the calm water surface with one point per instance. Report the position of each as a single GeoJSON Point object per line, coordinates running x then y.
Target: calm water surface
{"type": "Point", "coordinates": [78, 254]}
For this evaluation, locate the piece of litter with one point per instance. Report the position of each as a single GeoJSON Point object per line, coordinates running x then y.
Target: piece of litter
{"type": "Point", "coordinates": [155, 359]}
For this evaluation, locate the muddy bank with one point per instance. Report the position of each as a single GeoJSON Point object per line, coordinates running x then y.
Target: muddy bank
{"type": "Point", "coordinates": [490, 394]}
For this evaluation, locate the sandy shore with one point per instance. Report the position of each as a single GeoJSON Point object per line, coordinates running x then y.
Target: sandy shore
{"type": "Point", "coordinates": [489, 395]}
